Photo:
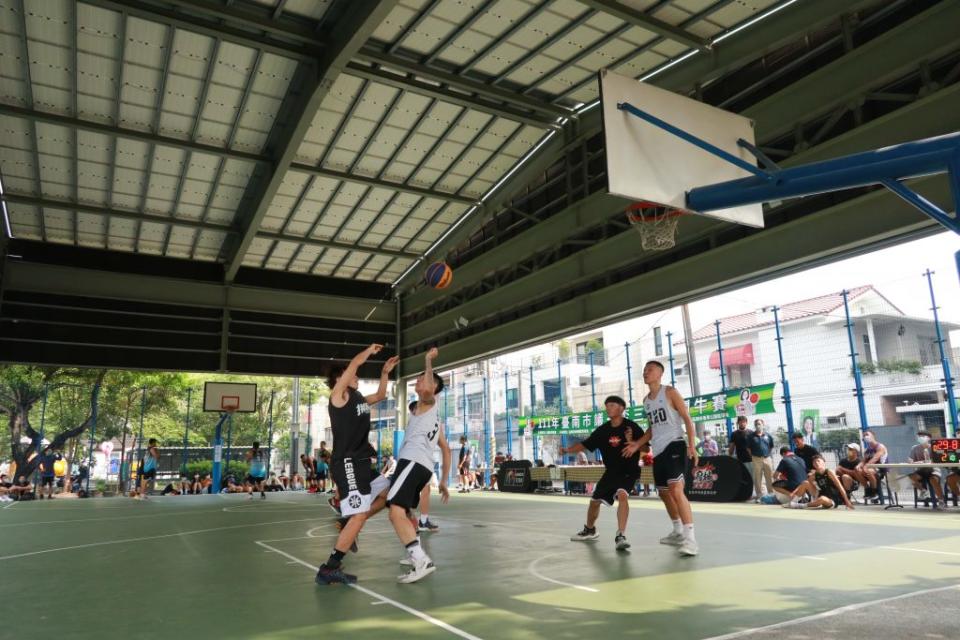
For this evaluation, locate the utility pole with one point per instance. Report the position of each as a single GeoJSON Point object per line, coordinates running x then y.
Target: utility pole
{"type": "Point", "coordinates": [294, 426]}
{"type": "Point", "coordinates": [691, 351]}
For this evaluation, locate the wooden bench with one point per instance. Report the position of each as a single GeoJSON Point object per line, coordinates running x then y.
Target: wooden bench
{"type": "Point", "coordinates": [581, 473]}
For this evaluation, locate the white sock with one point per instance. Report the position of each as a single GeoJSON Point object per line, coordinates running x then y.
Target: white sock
{"type": "Point", "coordinates": [678, 527]}
{"type": "Point", "coordinates": [688, 532]}
{"type": "Point", "coordinates": [423, 519]}
{"type": "Point", "coordinates": [416, 552]}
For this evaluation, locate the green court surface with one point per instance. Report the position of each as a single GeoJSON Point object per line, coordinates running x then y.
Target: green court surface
{"type": "Point", "coordinates": [223, 567]}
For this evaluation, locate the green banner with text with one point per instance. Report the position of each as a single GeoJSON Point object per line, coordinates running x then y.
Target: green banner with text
{"type": "Point", "coordinates": [745, 401]}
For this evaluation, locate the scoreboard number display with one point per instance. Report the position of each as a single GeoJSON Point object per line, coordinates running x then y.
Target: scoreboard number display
{"type": "Point", "coordinates": [945, 450]}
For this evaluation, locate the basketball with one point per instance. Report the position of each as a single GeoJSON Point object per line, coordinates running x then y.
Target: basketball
{"type": "Point", "coordinates": [439, 275]}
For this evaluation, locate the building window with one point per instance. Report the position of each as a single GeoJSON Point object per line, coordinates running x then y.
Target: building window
{"type": "Point", "coordinates": [738, 375]}
{"type": "Point", "coordinates": [867, 354]}
{"type": "Point", "coordinates": [657, 342]}
{"type": "Point", "coordinates": [594, 346]}
{"type": "Point", "coordinates": [475, 405]}
{"type": "Point", "coordinates": [513, 399]}
{"type": "Point", "coordinates": [551, 392]}
{"type": "Point", "coordinates": [929, 352]}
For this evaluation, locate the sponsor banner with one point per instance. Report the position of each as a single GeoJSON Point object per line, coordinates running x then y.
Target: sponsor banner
{"type": "Point", "coordinates": [744, 401]}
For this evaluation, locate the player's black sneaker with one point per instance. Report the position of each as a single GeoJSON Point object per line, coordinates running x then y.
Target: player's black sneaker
{"type": "Point", "coordinates": [328, 575]}
{"type": "Point", "coordinates": [621, 542]}
{"type": "Point", "coordinates": [587, 533]}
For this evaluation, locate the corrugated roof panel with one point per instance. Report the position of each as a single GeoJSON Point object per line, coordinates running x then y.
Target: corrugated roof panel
{"type": "Point", "coordinates": [146, 42]}
{"type": "Point", "coordinates": [24, 221]}
{"type": "Point", "coordinates": [398, 20]}
{"type": "Point", "coordinates": [58, 225]}
{"type": "Point", "coordinates": [191, 54]}
{"type": "Point", "coordinates": [162, 189]}
{"type": "Point", "coordinates": [181, 240]}
{"type": "Point", "coordinates": [328, 118]}
{"type": "Point", "coordinates": [313, 9]}
{"type": "Point", "coordinates": [736, 12]}
{"type": "Point", "coordinates": [209, 243]}
{"type": "Point", "coordinates": [98, 30]}
{"type": "Point", "coordinates": [373, 267]}
{"type": "Point", "coordinates": [51, 74]}
{"type": "Point", "coordinates": [234, 65]}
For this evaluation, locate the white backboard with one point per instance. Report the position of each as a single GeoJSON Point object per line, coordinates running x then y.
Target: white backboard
{"type": "Point", "coordinates": [646, 163]}
{"type": "Point", "coordinates": [217, 396]}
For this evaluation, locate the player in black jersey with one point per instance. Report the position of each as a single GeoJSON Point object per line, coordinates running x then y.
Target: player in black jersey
{"type": "Point", "coordinates": [350, 459]}
{"type": "Point", "coordinates": [621, 474]}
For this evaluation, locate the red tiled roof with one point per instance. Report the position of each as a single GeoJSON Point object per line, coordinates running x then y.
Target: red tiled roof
{"type": "Point", "coordinates": [791, 311]}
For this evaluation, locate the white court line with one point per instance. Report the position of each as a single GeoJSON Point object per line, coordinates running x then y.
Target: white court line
{"type": "Point", "coordinates": [829, 614]}
{"type": "Point", "coordinates": [532, 568]}
{"type": "Point", "coordinates": [158, 537]}
{"type": "Point", "coordinates": [399, 605]}
{"type": "Point", "coordinates": [942, 553]}
{"type": "Point", "coordinates": [10, 505]}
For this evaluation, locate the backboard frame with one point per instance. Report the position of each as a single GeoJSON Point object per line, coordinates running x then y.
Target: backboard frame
{"type": "Point", "coordinates": [215, 392]}
{"type": "Point", "coordinates": [647, 163]}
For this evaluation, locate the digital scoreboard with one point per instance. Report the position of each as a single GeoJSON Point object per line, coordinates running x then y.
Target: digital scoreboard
{"type": "Point", "coordinates": [945, 450]}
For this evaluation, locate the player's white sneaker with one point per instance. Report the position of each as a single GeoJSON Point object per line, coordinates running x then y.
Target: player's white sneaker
{"type": "Point", "coordinates": [673, 539]}
{"type": "Point", "coordinates": [421, 569]}
{"type": "Point", "coordinates": [621, 542]}
{"type": "Point", "coordinates": [689, 548]}
{"type": "Point", "coordinates": [406, 561]}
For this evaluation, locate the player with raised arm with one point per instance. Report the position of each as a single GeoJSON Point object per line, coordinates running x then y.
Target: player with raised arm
{"type": "Point", "coordinates": [350, 460]}
{"type": "Point", "coordinates": [667, 415]}
{"type": "Point", "coordinates": [415, 468]}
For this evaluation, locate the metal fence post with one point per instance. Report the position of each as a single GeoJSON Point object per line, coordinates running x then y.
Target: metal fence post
{"type": "Point", "coordinates": [93, 428]}
{"type": "Point", "coordinates": [673, 379]}
{"type": "Point", "coordinates": [787, 403]}
{"type": "Point", "coordinates": [723, 377]}
{"type": "Point", "coordinates": [186, 432]}
{"type": "Point", "coordinates": [270, 432]}
{"type": "Point", "coordinates": [857, 380]}
{"type": "Point", "coordinates": [626, 347]}
{"type": "Point", "coordinates": [944, 360]}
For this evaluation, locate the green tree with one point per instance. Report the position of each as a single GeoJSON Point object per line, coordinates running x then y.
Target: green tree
{"type": "Point", "coordinates": [22, 388]}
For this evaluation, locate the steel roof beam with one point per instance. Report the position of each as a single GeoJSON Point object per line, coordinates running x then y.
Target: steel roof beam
{"type": "Point", "coordinates": [137, 216]}
{"type": "Point", "coordinates": [457, 82]}
{"type": "Point", "coordinates": [347, 35]}
{"type": "Point", "coordinates": [300, 49]}
{"type": "Point", "coordinates": [408, 82]}
{"type": "Point", "coordinates": [785, 26]}
{"type": "Point", "coordinates": [647, 22]}
{"type": "Point", "coordinates": [384, 184]}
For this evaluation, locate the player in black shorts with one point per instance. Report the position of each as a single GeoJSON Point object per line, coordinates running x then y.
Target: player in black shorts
{"type": "Point", "coordinates": [824, 487]}
{"type": "Point", "coordinates": [350, 460]}
{"type": "Point", "coordinates": [621, 473]}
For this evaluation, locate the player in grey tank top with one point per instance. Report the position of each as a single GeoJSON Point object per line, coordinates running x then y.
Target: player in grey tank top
{"type": "Point", "coordinates": [667, 416]}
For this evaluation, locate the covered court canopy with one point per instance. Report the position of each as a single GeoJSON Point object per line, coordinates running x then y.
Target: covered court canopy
{"type": "Point", "coordinates": [255, 186]}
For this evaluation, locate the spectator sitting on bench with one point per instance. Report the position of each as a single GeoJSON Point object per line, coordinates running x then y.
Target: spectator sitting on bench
{"type": "Point", "coordinates": [5, 486]}
{"type": "Point", "coordinates": [21, 488]}
{"type": "Point", "coordinates": [790, 474]}
{"type": "Point", "coordinates": [171, 489]}
{"type": "Point", "coordinates": [926, 475]}
{"type": "Point", "coordinates": [185, 484]}
{"type": "Point", "coordinates": [823, 486]}
{"type": "Point", "coordinates": [273, 483]}
{"type": "Point", "coordinates": [196, 485]}
{"type": "Point", "coordinates": [848, 469]}
{"type": "Point", "coordinates": [953, 482]}
{"type": "Point", "coordinates": [873, 453]}
{"type": "Point", "coordinates": [296, 483]}
{"type": "Point", "coordinates": [804, 451]}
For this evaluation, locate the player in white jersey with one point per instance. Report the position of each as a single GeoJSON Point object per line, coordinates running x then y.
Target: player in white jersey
{"type": "Point", "coordinates": [415, 470]}
{"type": "Point", "coordinates": [667, 415]}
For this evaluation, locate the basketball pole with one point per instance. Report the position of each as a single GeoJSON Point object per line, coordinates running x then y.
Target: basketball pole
{"type": "Point", "coordinates": [218, 452]}
{"type": "Point", "coordinates": [944, 361]}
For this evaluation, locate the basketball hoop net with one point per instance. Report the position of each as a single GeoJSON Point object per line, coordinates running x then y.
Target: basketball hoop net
{"type": "Point", "coordinates": [230, 404]}
{"type": "Point", "coordinates": [657, 225]}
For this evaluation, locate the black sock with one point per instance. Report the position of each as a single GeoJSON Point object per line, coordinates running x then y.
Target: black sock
{"type": "Point", "coordinates": [412, 544]}
{"type": "Point", "coordinates": [334, 560]}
